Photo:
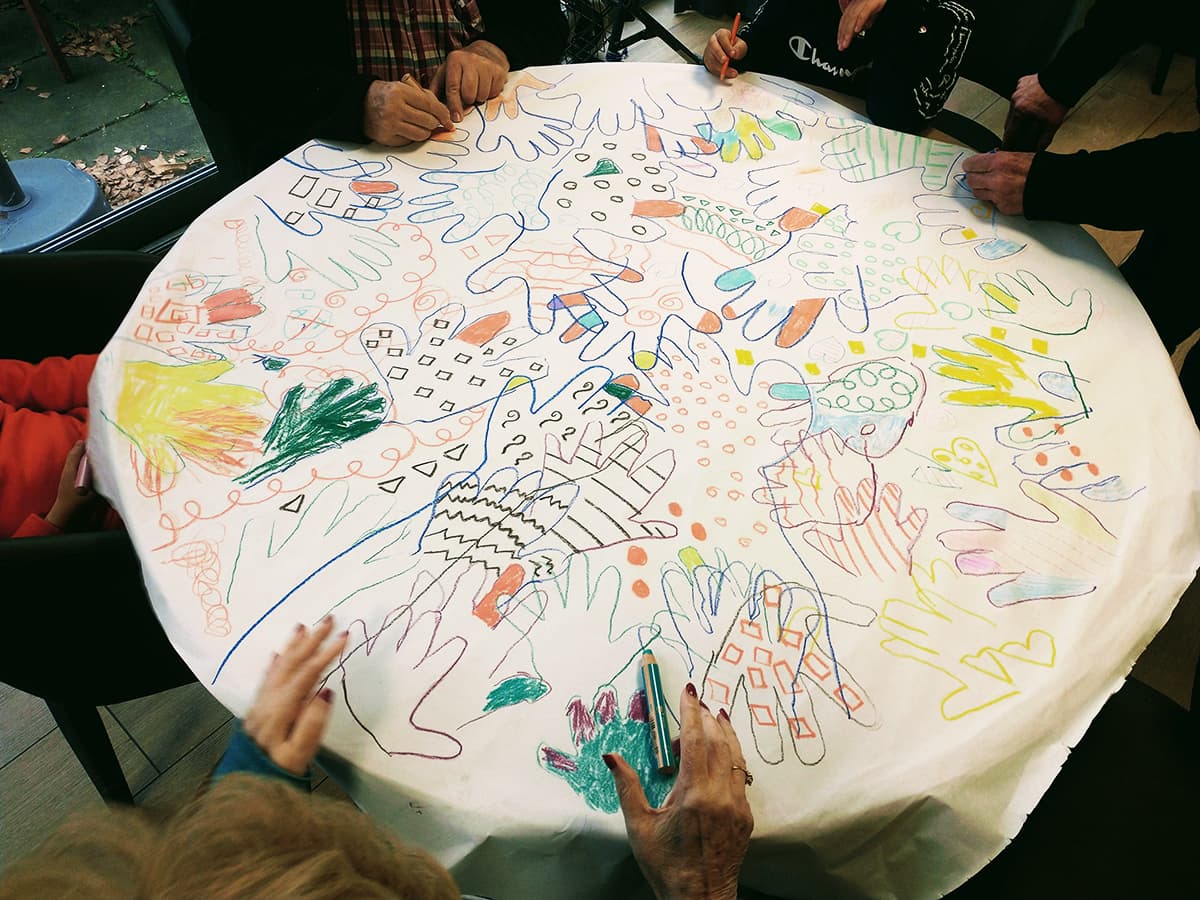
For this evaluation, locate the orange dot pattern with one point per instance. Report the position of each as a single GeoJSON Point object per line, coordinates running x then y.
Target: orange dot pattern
{"type": "Point", "coordinates": [705, 408]}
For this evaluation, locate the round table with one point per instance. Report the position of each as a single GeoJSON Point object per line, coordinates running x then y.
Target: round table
{"type": "Point", "coordinates": [634, 359]}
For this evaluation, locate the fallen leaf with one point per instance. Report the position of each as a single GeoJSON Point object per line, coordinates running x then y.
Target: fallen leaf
{"type": "Point", "coordinates": [26, 149]}
{"type": "Point", "coordinates": [123, 176]}
{"type": "Point", "coordinates": [44, 94]}
{"type": "Point", "coordinates": [60, 140]}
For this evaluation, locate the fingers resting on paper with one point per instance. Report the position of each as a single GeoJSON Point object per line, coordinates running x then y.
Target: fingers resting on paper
{"type": "Point", "coordinates": [694, 844]}
{"type": "Point", "coordinates": [288, 717]}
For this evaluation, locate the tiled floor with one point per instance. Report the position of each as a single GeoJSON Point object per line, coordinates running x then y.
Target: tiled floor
{"type": "Point", "coordinates": [167, 743]}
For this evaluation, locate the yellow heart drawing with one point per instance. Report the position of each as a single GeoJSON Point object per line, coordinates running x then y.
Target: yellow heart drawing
{"type": "Point", "coordinates": [1037, 648]}
{"type": "Point", "coordinates": [965, 457]}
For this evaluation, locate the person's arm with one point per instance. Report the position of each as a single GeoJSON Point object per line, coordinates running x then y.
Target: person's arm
{"type": "Point", "coordinates": [74, 509]}
{"type": "Point", "coordinates": [530, 32]}
{"type": "Point", "coordinates": [1129, 187]}
{"type": "Point", "coordinates": [1139, 184]}
{"type": "Point", "coordinates": [1112, 28]}
{"type": "Point", "coordinates": [55, 384]}
{"type": "Point", "coordinates": [283, 729]}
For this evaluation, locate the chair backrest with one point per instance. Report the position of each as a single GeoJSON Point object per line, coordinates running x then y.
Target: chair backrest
{"type": "Point", "coordinates": [89, 293]}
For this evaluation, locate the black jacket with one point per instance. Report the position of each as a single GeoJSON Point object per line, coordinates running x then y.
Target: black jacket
{"type": "Point", "coordinates": [1151, 184]}
{"type": "Point", "coordinates": [281, 73]}
{"type": "Point", "coordinates": [905, 65]}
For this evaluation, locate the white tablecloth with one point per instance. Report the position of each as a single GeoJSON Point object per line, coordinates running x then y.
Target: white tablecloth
{"type": "Point", "coordinates": [636, 359]}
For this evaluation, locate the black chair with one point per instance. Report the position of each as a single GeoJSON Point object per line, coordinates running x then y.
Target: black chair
{"type": "Point", "coordinates": [79, 629]}
{"type": "Point", "coordinates": [1121, 820]}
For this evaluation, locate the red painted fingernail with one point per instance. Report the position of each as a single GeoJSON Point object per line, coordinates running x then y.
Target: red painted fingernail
{"type": "Point", "coordinates": [344, 634]}
{"type": "Point", "coordinates": [326, 695]}
{"type": "Point", "coordinates": [299, 627]}
{"type": "Point", "coordinates": [724, 715]}
{"type": "Point", "coordinates": [609, 760]}
{"type": "Point", "coordinates": [704, 706]}
{"type": "Point", "coordinates": [691, 689]}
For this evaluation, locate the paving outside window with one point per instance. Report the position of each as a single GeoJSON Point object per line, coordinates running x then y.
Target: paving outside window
{"type": "Point", "coordinates": [125, 117]}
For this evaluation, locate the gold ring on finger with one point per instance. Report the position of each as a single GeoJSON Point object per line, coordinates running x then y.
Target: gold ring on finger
{"type": "Point", "coordinates": [746, 772]}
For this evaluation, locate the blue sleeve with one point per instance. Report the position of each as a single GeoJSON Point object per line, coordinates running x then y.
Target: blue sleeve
{"type": "Point", "coordinates": [243, 755]}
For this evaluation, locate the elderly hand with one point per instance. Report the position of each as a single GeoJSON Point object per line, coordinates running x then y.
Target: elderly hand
{"type": "Point", "coordinates": [857, 16]}
{"type": "Point", "coordinates": [469, 76]}
{"type": "Point", "coordinates": [1033, 117]}
{"type": "Point", "coordinates": [999, 178]}
{"type": "Point", "coordinates": [723, 47]}
{"type": "Point", "coordinates": [692, 847]}
{"type": "Point", "coordinates": [287, 720]}
{"type": "Point", "coordinates": [74, 509]}
{"type": "Point", "coordinates": [402, 112]}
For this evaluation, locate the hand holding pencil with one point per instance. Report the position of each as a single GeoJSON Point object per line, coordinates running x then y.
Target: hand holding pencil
{"type": "Point", "coordinates": [76, 506]}
{"type": "Point", "coordinates": [723, 47]}
{"type": "Point", "coordinates": [402, 112]}
{"type": "Point", "coordinates": [692, 846]}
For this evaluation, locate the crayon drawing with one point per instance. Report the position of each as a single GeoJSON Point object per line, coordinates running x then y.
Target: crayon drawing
{"type": "Point", "coordinates": [632, 360]}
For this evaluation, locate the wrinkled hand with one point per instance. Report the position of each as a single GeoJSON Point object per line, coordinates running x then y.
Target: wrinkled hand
{"type": "Point", "coordinates": [722, 48]}
{"type": "Point", "coordinates": [287, 720]}
{"type": "Point", "coordinates": [999, 178]}
{"type": "Point", "coordinates": [401, 112]}
{"type": "Point", "coordinates": [1032, 110]}
{"type": "Point", "coordinates": [692, 847]}
{"type": "Point", "coordinates": [857, 16]}
{"type": "Point", "coordinates": [470, 76]}
{"type": "Point", "coordinates": [74, 509]}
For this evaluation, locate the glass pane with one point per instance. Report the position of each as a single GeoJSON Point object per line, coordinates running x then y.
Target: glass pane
{"type": "Point", "coordinates": [123, 117]}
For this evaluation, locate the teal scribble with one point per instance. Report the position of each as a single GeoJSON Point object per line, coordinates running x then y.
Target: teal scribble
{"type": "Point", "coordinates": [312, 420]}
{"type": "Point", "coordinates": [604, 730]}
{"type": "Point", "coordinates": [514, 690]}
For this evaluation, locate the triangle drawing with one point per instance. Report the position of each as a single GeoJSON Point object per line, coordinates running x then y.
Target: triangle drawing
{"type": "Point", "coordinates": [427, 468]}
